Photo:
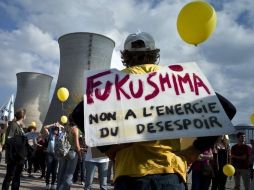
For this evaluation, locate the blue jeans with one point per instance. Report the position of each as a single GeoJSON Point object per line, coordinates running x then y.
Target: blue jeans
{"type": "Point", "coordinates": [150, 182]}
{"type": "Point", "coordinates": [102, 172]}
{"type": "Point", "coordinates": [52, 164]}
{"type": "Point", "coordinates": [65, 171]}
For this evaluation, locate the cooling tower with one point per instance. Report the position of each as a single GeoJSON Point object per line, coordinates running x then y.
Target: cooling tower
{"type": "Point", "coordinates": [33, 94]}
{"type": "Point", "coordinates": [78, 52]}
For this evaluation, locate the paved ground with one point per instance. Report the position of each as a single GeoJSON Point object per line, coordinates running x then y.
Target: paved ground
{"type": "Point", "coordinates": [34, 183]}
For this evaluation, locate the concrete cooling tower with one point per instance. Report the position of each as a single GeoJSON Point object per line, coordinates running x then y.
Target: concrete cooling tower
{"type": "Point", "coordinates": [33, 91]}
{"type": "Point", "coordinates": [78, 52]}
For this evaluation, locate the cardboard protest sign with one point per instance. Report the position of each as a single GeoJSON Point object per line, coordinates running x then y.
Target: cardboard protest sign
{"type": "Point", "coordinates": [176, 101]}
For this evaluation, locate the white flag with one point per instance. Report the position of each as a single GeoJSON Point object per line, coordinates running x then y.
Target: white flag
{"type": "Point", "coordinates": [7, 110]}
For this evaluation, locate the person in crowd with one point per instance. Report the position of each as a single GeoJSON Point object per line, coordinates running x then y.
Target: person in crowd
{"type": "Point", "coordinates": [240, 154]}
{"type": "Point", "coordinates": [202, 172]}
{"type": "Point", "coordinates": [158, 164]}
{"type": "Point", "coordinates": [32, 142]}
{"type": "Point", "coordinates": [79, 172]}
{"type": "Point", "coordinates": [2, 141]}
{"type": "Point", "coordinates": [3, 127]}
{"type": "Point", "coordinates": [221, 157]}
{"type": "Point", "coordinates": [110, 171]}
{"type": "Point", "coordinates": [52, 132]}
{"type": "Point", "coordinates": [67, 164]}
{"type": "Point", "coordinates": [41, 155]}
{"type": "Point", "coordinates": [251, 164]}
{"type": "Point", "coordinates": [90, 164]}
{"type": "Point", "coordinates": [80, 168]}
{"type": "Point", "coordinates": [16, 150]}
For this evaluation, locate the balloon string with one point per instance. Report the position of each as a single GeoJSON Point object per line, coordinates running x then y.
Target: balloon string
{"type": "Point", "coordinates": [62, 108]}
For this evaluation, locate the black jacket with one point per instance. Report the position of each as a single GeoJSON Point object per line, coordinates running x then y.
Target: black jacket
{"type": "Point", "coordinates": [16, 144]}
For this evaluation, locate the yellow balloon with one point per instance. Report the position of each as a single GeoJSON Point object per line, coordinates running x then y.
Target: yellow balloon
{"type": "Point", "coordinates": [33, 124]}
{"type": "Point", "coordinates": [196, 22]}
{"type": "Point", "coordinates": [228, 170]}
{"type": "Point", "coordinates": [252, 118]}
{"type": "Point", "coordinates": [64, 119]}
{"type": "Point", "coordinates": [62, 94]}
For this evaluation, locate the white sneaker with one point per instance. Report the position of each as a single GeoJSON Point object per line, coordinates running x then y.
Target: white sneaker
{"type": "Point", "coordinates": [47, 187]}
{"type": "Point", "coordinates": [53, 187]}
{"type": "Point", "coordinates": [82, 183]}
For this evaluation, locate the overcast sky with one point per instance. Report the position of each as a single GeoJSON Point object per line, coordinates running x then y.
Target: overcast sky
{"type": "Point", "coordinates": [29, 30]}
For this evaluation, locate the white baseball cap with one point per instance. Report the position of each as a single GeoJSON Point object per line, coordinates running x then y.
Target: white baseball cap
{"type": "Point", "coordinates": [140, 41]}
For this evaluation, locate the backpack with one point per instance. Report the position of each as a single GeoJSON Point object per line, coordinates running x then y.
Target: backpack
{"type": "Point", "coordinates": [62, 145]}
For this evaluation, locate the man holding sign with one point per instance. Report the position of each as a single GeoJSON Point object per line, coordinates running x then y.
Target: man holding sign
{"type": "Point", "coordinates": [142, 112]}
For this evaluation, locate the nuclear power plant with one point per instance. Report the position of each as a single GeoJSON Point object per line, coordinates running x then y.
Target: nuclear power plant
{"type": "Point", "coordinates": [78, 52]}
{"type": "Point", "coordinates": [33, 91]}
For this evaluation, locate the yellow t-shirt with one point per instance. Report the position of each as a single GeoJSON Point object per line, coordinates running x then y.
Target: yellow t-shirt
{"type": "Point", "coordinates": [152, 157]}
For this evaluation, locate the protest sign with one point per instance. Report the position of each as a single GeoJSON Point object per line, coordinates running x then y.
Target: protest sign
{"type": "Point", "coordinates": [176, 101]}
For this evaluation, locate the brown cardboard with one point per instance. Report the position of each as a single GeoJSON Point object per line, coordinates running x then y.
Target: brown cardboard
{"type": "Point", "coordinates": [96, 153]}
{"type": "Point", "coordinates": [187, 142]}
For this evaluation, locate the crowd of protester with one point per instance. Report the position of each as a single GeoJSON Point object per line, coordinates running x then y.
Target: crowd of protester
{"type": "Point", "coordinates": [35, 154]}
{"type": "Point", "coordinates": [143, 165]}
{"type": "Point", "coordinates": [207, 170]}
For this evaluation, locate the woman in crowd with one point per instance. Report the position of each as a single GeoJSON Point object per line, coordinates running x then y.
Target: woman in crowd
{"type": "Point", "coordinates": [16, 151]}
{"type": "Point", "coordinates": [221, 157]}
{"type": "Point", "coordinates": [52, 131]}
{"type": "Point", "coordinates": [80, 168]}
{"type": "Point", "coordinates": [67, 164]}
{"type": "Point", "coordinates": [202, 172]}
{"type": "Point", "coordinates": [32, 142]}
{"type": "Point", "coordinates": [40, 155]}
